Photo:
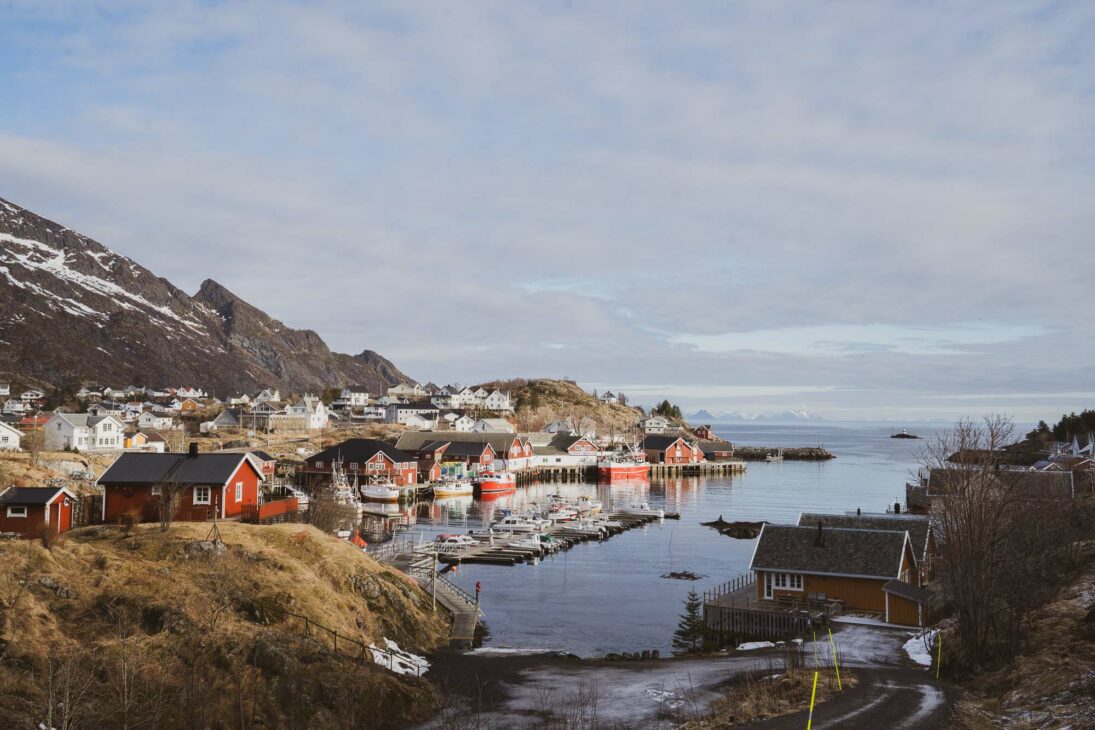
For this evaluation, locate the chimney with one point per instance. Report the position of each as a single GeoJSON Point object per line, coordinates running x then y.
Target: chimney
{"type": "Point", "coordinates": [193, 449]}
{"type": "Point", "coordinates": [897, 508]}
{"type": "Point", "coordinates": [819, 541]}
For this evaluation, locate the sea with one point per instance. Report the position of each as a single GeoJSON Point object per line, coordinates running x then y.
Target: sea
{"type": "Point", "coordinates": [613, 595]}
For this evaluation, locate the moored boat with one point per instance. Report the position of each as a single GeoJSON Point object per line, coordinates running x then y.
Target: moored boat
{"type": "Point", "coordinates": [642, 509]}
{"type": "Point", "coordinates": [453, 488]}
{"type": "Point", "coordinates": [380, 492]}
{"type": "Point", "coordinates": [628, 463]}
{"type": "Point", "coordinates": [496, 481]}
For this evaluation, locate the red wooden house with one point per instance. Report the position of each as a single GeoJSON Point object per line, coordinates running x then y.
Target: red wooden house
{"type": "Point", "coordinates": [365, 459]}
{"type": "Point", "coordinates": [661, 449]}
{"type": "Point", "coordinates": [27, 511]}
{"type": "Point", "coordinates": [434, 456]}
{"type": "Point", "coordinates": [221, 484]}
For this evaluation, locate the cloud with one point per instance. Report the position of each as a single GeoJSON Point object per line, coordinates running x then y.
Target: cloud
{"type": "Point", "coordinates": [881, 202]}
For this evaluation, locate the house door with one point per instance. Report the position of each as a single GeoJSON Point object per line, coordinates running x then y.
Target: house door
{"type": "Point", "coordinates": [767, 585]}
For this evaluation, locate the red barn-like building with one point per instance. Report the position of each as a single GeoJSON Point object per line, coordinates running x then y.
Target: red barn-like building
{"type": "Point", "coordinates": [671, 450]}
{"type": "Point", "coordinates": [207, 484]}
{"type": "Point", "coordinates": [26, 511]}
{"type": "Point", "coordinates": [364, 458]}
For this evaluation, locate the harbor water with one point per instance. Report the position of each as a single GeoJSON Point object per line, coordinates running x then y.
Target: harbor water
{"type": "Point", "coordinates": [611, 596]}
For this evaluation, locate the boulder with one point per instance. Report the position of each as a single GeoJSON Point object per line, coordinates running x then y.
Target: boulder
{"type": "Point", "coordinates": [204, 549]}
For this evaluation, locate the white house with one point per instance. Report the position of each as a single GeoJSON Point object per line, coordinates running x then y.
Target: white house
{"type": "Point", "coordinates": [464, 424]}
{"type": "Point", "coordinates": [421, 422]}
{"type": "Point", "coordinates": [185, 393]}
{"type": "Point", "coordinates": [497, 401]}
{"type": "Point", "coordinates": [85, 432]}
{"type": "Point", "coordinates": [355, 396]}
{"type": "Point", "coordinates": [14, 405]}
{"type": "Point", "coordinates": [654, 425]}
{"type": "Point", "coordinates": [481, 396]}
{"type": "Point", "coordinates": [443, 400]}
{"type": "Point", "coordinates": [240, 400]}
{"type": "Point", "coordinates": [373, 413]}
{"type": "Point", "coordinates": [400, 412]}
{"type": "Point", "coordinates": [407, 390]}
{"type": "Point", "coordinates": [609, 398]}
{"type": "Point", "coordinates": [148, 419]}
{"type": "Point", "coordinates": [5, 390]}
{"type": "Point", "coordinates": [10, 438]}
{"type": "Point", "coordinates": [33, 395]}
{"type": "Point", "coordinates": [268, 395]}
{"type": "Point", "coordinates": [493, 425]}
{"type": "Point", "coordinates": [313, 409]}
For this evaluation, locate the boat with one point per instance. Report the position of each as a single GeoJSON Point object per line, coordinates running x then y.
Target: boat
{"type": "Point", "coordinates": [454, 543]}
{"type": "Point", "coordinates": [585, 528]}
{"type": "Point", "coordinates": [453, 488]}
{"type": "Point", "coordinates": [778, 456]}
{"type": "Point", "coordinates": [380, 492]}
{"type": "Point", "coordinates": [589, 506]}
{"type": "Point", "coordinates": [627, 463]}
{"type": "Point", "coordinates": [520, 523]}
{"type": "Point", "coordinates": [496, 481]}
{"type": "Point", "coordinates": [642, 509]}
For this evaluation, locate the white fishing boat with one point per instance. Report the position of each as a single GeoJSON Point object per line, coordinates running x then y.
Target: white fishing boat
{"type": "Point", "coordinates": [589, 506]}
{"type": "Point", "coordinates": [380, 492]}
{"type": "Point", "coordinates": [585, 528]}
{"type": "Point", "coordinates": [778, 456]}
{"type": "Point", "coordinates": [642, 509]}
{"type": "Point", "coordinates": [453, 488]}
{"type": "Point", "coordinates": [521, 523]}
{"type": "Point", "coordinates": [489, 532]}
{"type": "Point", "coordinates": [454, 543]}
{"type": "Point", "coordinates": [561, 513]}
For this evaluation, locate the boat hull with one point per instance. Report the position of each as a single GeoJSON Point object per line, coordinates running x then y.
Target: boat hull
{"type": "Point", "coordinates": [620, 472]}
{"type": "Point", "coordinates": [453, 492]}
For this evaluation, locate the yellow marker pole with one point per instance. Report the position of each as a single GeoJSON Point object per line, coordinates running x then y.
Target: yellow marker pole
{"type": "Point", "coordinates": [813, 695]}
{"type": "Point", "coordinates": [836, 664]}
{"type": "Point", "coordinates": [939, 654]}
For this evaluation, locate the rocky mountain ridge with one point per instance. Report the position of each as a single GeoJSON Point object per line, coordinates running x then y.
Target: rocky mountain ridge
{"type": "Point", "coordinates": [71, 309]}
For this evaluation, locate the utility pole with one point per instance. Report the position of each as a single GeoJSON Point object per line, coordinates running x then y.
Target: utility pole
{"type": "Point", "coordinates": [434, 581]}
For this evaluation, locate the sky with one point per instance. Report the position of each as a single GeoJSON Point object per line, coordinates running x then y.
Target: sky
{"type": "Point", "coordinates": [866, 210]}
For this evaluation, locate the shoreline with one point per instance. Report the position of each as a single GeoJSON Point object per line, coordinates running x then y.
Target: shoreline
{"type": "Point", "coordinates": [800, 453]}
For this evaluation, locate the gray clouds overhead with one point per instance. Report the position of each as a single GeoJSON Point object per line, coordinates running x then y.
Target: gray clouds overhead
{"type": "Point", "coordinates": [866, 209]}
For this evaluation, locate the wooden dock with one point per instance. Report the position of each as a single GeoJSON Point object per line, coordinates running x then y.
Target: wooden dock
{"type": "Point", "coordinates": [733, 613]}
{"type": "Point", "coordinates": [502, 554]}
{"type": "Point", "coordinates": [589, 474]}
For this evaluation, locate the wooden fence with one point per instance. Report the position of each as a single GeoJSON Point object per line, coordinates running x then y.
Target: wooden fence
{"type": "Point", "coordinates": [280, 510]}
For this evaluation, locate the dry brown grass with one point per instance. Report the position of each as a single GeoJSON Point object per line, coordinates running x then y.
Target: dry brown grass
{"type": "Point", "coordinates": [101, 601]}
{"type": "Point", "coordinates": [759, 698]}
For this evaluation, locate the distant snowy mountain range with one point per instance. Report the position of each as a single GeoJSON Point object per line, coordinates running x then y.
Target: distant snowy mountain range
{"type": "Point", "coordinates": [705, 416]}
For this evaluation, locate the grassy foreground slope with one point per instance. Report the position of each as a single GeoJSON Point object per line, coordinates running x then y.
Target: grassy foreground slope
{"type": "Point", "coordinates": [109, 629]}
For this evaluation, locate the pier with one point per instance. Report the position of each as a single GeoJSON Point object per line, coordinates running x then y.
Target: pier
{"type": "Point", "coordinates": [588, 474]}
{"type": "Point", "coordinates": [733, 613]}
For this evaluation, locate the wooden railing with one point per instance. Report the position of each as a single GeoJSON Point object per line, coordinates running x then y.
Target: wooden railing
{"type": "Point", "coordinates": [346, 646]}
{"type": "Point", "coordinates": [280, 510]}
{"type": "Point", "coordinates": [730, 586]}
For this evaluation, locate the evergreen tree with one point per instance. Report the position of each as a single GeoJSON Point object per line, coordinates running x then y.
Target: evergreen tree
{"type": "Point", "coordinates": [691, 630]}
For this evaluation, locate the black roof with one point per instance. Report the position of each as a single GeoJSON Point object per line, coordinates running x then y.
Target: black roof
{"type": "Point", "coordinates": [28, 495]}
{"type": "Point", "coordinates": [360, 451]}
{"type": "Point", "coordinates": [133, 468]}
{"type": "Point", "coordinates": [906, 590]}
{"type": "Point", "coordinates": [874, 553]}
{"type": "Point", "coordinates": [659, 442]}
{"type": "Point", "coordinates": [457, 448]}
{"type": "Point", "coordinates": [918, 526]}
{"type": "Point", "coordinates": [263, 456]}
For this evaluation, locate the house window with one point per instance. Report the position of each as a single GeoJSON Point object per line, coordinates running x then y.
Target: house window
{"type": "Point", "coordinates": [156, 490]}
{"type": "Point", "coordinates": [787, 581]}
{"type": "Point", "coordinates": [319, 464]}
{"type": "Point", "coordinates": [353, 466]}
{"type": "Point", "coordinates": [201, 495]}
{"type": "Point", "coordinates": [14, 511]}
{"type": "Point", "coordinates": [239, 491]}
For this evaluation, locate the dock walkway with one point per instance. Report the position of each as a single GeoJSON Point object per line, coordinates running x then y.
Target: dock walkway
{"type": "Point", "coordinates": [733, 613]}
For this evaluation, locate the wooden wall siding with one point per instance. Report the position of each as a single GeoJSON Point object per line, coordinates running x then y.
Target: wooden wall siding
{"type": "Point", "coordinates": [903, 611]}
{"type": "Point", "coordinates": [28, 526]}
{"type": "Point", "coordinates": [864, 594]}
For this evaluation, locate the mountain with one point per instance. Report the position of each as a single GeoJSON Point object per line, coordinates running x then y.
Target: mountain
{"type": "Point", "coordinates": [729, 416]}
{"type": "Point", "coordinates": [71, 309]}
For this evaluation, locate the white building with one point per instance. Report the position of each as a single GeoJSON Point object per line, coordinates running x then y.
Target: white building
{"type": "Point", "coordinates": [355, 396]}
{"type": "Point", "coordinates": [407, 390]}
{"type": "Point", "coordinates": [14, 405]}
{"type": "Point", "coordinates": [32, 395]}
{"type": "Point", "coordinates": [464, 424]}
{"type": "Point", "coordinates": [654, 425]}
{"type": "Point", "coordinates": [421, 422]}
{"type": "Point", "coordinates": [5, 390]}
{"type": "Point", "coordinates": [312, 409]}
{"type": "Point", "coordinates": [85, 432]}
{"type": "Point", "coordinates": [609, 398]}
{"type": "Point", "coordinates": [493, 425]}
{"type": "Point", "coordinates": [400, 412]}
{"type": "Point", "coordinates": [267, 396]}
{"type": "Point", "coordinates": [10, 438]}
{"type": "Point", "coordinates": [148, 419]}
{"type": "Point", "coordinates": [497, 401]}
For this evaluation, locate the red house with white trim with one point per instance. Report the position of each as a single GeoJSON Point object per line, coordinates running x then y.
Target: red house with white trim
{"type": "Point", "coordinates": [662, 449]}
{"type": "Point", "coordinates": [26, 511]}
{"type": "Point", "coordinates": [220, 484]}
{"type": "Point", "coordinates": [366, 459]}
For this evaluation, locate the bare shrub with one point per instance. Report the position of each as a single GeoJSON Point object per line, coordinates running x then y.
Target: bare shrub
{"type": "Point", "coordinates": [329, 515]}
{"type": "Point", "coordinates": [49, 536]}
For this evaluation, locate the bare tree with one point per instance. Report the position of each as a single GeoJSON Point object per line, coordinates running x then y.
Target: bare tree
{"type": "Point", "coordinates": [1005, 536]}
{"type": "Point", "coordinates": [167, 502]}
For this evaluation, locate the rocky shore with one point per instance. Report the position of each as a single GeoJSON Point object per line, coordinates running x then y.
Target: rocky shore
{"type": "Point", "coordinates": [758, 453]}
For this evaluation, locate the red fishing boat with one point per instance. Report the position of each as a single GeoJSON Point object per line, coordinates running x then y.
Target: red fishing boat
{"type": "Point", "coordinates": [629, 463]}
{"type": "Point", "coordinates": [495, 482]}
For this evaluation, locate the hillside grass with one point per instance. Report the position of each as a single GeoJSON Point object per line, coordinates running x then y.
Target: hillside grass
{"type": "Point", "coordinates": [541, 401]}
{"type": "Point", "coordinates": [207, 632]}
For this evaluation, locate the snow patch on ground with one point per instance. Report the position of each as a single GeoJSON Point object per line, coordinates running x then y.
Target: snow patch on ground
{"type": "Point", "coordinates": [862, 620]}
{"type": "Point", "coordinates": [751, 645]}
{"type": "Point", "coordinates": [915, 647]}
{"type": "Point", "coordinates": [503, 650]}
{"type": "Point", "coordinates": [668, 700]}
{"type": "Point", "coordinates": [399, 661]}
